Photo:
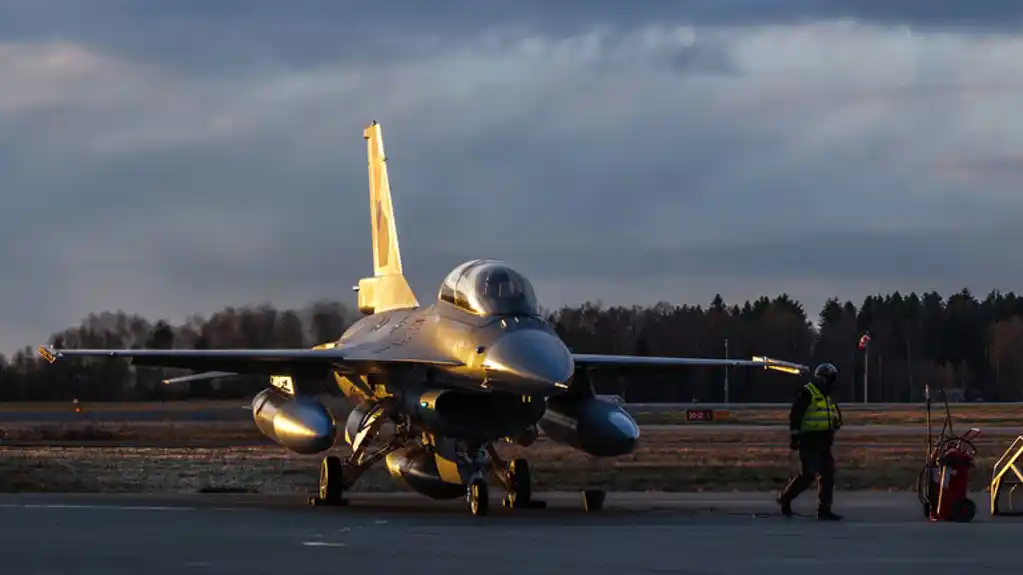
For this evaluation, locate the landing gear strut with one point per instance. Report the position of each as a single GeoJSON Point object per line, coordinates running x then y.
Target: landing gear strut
{"type": "Point", "coordinates": [517, 479]}
{"type": "Point", "coordinates": [336, 475]}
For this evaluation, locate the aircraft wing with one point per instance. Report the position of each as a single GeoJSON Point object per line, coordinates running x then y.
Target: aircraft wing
{"type": "Point", "coordinates": [253, 361]}
{"type": "Point", "coordinates": [632, 361]}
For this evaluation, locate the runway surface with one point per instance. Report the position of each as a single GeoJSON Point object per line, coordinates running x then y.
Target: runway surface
{"type": "Point", "coordinates": [402, 533]}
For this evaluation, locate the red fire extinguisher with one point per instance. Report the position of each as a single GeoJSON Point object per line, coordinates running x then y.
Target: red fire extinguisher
{"type": "Point", "coordinates": [944, 483]}
{"type": "Point", "coordinates": [950, 479]}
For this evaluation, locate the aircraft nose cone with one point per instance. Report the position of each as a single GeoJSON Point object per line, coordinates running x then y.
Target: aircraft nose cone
{"type": "Point", "coordinates": [534, 361]}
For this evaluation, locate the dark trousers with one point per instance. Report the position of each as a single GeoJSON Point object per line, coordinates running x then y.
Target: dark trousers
{"type": "Point", "coordinates": [815, 462]}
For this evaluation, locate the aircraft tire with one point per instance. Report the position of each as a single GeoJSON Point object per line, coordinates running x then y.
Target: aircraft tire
{"type": "Point", "coordinates": [331, 488]}
{"type": "Point", "coordinates": [478, 496]}
{"type": "Point", "coordinates": [593, 500]}
{"type": "Point", "coordinates": [520, 496]}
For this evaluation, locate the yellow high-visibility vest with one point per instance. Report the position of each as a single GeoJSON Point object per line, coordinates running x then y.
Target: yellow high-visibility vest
{"type": "Point", "coordinates": [822, 414]}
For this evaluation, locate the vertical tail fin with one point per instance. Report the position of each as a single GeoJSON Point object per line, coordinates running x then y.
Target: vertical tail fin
{"type": "Point", "coordinates": [386, 255]}
{"type": "Point", "coordinates": [388, 289]}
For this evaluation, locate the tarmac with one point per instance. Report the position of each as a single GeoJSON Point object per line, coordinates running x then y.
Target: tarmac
{"type": "Point", "coordinates": [404, 533]}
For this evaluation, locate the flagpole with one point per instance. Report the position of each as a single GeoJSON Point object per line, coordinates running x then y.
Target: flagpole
{"type": "Point", "coordinates": [866, 368]}
{"type": "Point", "coordinates": [864, 344]}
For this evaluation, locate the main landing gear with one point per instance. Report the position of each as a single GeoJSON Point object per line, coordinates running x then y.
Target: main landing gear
{"type": "Point", "coordinates": [336, 475]}
{"type": "Point", "coordinates": [332, 483]}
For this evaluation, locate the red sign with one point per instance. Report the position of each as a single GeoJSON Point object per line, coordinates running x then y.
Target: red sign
{"type": "Point", "coordinates": [699, 415]}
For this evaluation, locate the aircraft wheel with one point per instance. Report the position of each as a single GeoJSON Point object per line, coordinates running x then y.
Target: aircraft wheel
{"type": "Point", "coordinates": [331, 487]}
{"type": "Point", "coordinates": [478, 496]}
{"type": "Point", "coordinates": [520, 496]}
{"type": "Point", "coordinates": [593, 500]}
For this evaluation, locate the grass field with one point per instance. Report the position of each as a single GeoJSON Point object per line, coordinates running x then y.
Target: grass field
{"type": "Point", "coordinates": [195, 456]}
{"type": "Point", "coordinates": [857, 415]}
{"type": "Point", "coordinates": [48, 406]}
{"type": "Point", "coordinates": [854, 414]}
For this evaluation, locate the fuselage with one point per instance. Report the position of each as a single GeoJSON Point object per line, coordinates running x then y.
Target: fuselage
{"type": "Point", "coordinates": [512, 354]}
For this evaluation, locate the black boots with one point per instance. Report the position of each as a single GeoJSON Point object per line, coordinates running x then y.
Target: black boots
{"type": "Point", "coordinates": [825, 514]}
{"type": "Point", "coordinates": [786, 506]}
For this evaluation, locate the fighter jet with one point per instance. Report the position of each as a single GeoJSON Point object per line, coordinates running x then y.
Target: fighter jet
{"type": "Point", "coordinates": [436, 387]}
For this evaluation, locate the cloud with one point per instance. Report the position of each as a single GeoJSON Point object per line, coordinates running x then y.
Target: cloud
{"type": "Point", "coordinates": [608, 157]}
{"type": "Point", "coordinates": [234, 36]}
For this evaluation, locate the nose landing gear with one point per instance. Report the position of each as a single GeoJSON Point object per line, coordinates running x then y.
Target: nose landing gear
{"type": "Point", "coordinates": [517, 480]}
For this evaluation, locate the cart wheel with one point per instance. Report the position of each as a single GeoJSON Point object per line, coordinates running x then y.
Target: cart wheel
{"type": "Point", "coordinates": [966, 510]}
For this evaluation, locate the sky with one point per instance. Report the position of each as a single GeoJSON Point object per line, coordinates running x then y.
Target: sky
{"type": "Point", "coordinates": [176, 157]}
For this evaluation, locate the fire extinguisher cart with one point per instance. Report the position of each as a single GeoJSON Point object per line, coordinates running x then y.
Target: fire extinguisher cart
{"type": "Point", "coordinates": [944, 483]}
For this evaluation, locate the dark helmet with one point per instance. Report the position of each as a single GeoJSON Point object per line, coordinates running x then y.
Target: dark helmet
{"type": "Point", "coordinates": [825, 373]}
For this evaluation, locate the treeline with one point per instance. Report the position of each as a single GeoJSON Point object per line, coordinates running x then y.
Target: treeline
{"type": "Point", "coordinates": [960, 343]}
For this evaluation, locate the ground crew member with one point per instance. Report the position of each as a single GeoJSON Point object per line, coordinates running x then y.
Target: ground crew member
{"type": "Point", "coordinates": [813, 420]}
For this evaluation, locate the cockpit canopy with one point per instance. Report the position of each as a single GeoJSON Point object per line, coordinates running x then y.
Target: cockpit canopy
{"type": "Point", "coordinates": [489, 287]}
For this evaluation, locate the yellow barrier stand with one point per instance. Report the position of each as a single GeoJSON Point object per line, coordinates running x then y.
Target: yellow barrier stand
{"type": "Point", "coordinates": [998, 472]}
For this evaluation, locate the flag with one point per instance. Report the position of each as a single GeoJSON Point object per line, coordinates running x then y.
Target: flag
{"type": "Point", "coordinates": [864, 340]}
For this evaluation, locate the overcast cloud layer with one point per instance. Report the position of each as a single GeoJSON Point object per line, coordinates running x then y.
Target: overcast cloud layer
{"type": "Point", "coordinates": [176, 158]}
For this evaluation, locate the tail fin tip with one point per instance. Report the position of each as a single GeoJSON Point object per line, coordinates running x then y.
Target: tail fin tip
{"type": "Point", "coordinates": [367, 133]}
